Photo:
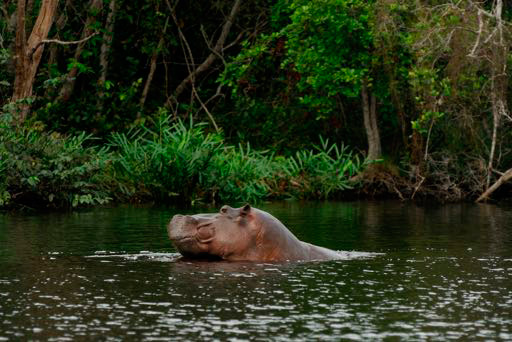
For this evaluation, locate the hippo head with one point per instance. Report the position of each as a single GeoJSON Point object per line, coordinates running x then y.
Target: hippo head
{"type": "Point", "coordinates": [230, 234]}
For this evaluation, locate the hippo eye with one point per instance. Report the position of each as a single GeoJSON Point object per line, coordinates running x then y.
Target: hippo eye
{"type": "Point", "coordinates": [224, 209]}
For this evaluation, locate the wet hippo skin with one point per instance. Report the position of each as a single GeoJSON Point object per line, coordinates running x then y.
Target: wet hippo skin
{"type": "Point", "coordinates": [240, 234]}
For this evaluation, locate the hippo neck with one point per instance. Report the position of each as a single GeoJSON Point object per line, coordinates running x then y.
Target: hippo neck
{"type": "Point", "coordinates": [285, 245]}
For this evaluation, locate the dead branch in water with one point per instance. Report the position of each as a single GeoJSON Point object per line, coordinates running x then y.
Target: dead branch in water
{"type": "Point", "coordinates": [503, 179]}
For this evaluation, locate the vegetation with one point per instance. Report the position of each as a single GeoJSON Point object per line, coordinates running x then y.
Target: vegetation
{"type": "Point", "coordinates": [181, 161]}
{"type": "Point", "coordinates": [165, 100]}
{"type": "Point", "coordinates": [173, 162]}
{"type": "Point", "coordinates": [50, 170]}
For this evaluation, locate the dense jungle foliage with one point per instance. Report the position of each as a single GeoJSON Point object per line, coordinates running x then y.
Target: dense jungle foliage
{"type": "Point", "coordinates": [204, 101]}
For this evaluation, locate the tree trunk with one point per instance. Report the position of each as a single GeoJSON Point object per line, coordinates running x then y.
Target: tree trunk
{"type": "Point", "coordinates": [386, 45]}
{"type": "Point", "coordinates": [28, 53]}
{"type": "Point", "coordinates": [149, 79]}
{"type": "Point", "coordinates": [370, 124]}
{"type": "Point", "coordinates": [152, 68]}
{"type": "Point", "coordinates": [104, 53]}
{"type": "Point", "coordinates": [69, 83]}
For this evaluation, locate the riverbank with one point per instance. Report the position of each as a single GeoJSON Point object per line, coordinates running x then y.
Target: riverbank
{"type": "Point", "coordinates": [182, 162]}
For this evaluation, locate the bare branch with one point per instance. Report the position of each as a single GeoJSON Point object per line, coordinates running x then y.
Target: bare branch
{"type": "Point", "coordinates": [56, 41]}
{"type": "Point", "coordinates": [152, 67]}
{"type": "Point", "coordinates": [217, 48]}
{"type": "Point", "coordinates": [499, 20]}
{"type": "Point", "coordinates": [504, 178]}
{"type": "Point", "coordinates": [234, 42]}
{"type": "Point", "coordinates": [217, 53]}
{"type": "Point", "coordinates": [205, 109]}
{"type": "Point", "coordinates": [60, 42]}
{"type": "Point", "coordinates": [479, 34]}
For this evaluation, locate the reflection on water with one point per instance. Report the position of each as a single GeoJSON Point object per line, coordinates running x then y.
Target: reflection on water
{"type": "Point", "coordinates": [443, 273]}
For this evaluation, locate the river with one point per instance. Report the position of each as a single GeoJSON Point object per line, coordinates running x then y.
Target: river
{"type": "Point", "coordinates": [410, 273]}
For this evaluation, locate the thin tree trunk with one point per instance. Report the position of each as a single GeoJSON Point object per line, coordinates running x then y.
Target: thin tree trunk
{"type": "Point", "coordinates": [69, 83]}
{"type": "Point", "coordinates": [152, 68]}
{"type": "Point", "coordinates": [149, 79]}
{"type": "Point", "coordinates": [104, 54]}
{"type": "Point", "coordinates": [20, 56]}
{"type": "Point", "coordinates": [375, 128]}
{"type": "Point", "coordinates": [386, 45]}
{"type": "Point", "coordinates": [28, 53]}
{"type": "Point", "coordinates": [496, 123]}
{"type": "Point", "coordinates": [216, 51]}
{"type": "Point", "coordinates": [370, 124]}
{"type": "Point", "coordinates": [499, 84]}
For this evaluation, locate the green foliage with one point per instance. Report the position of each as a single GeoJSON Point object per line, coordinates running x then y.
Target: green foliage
{"type": "Point", "coordinates": [292, 82]}
{"type": "Point", "coordinates": [165, 161]}
{"type": "Point", "coordinates": [243, 67]}
{"type": "Point", "coordinates": [171, 160]}
{"type": "Point", "coordinates": [289, 70]}
{"type": "Point", "coordinates": [319, 173]}
{"type": "Point", "coordinates": [182, 161]}
{"type": "Point", "coordinates": [39, 169]}
{"type": "Point", "coordinates": [242, 174]}
{"type": "Point", "coordinates": [306, 74]}
{"type": "Point", "coordinates": [329, 45]}
{"type": "Point", "coordinates": [426, 120]}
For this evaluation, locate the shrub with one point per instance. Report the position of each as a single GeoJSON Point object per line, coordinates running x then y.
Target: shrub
{"type": "Point", "coordinates": [40, 169]}
{"type": "Point", "coordinates": [183, 162]}
{"type": "Point", "coordinates": [241, 174]}
{"type": "Point", "coordinates": [169, 160]}
{"type": "Point", "coordinates": [323, 171]}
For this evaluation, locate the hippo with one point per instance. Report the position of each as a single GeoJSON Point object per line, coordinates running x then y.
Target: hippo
{"type": "Point", "coordinates": [241, 234]}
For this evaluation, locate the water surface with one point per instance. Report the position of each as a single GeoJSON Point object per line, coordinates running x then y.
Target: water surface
{"type": "Point", "coordinates": [444, 273]}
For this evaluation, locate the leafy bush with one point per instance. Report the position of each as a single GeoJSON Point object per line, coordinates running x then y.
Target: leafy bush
{"type": "Point", "coordinates": [319, 173]}
{"type": "Point", "coordinates": [184, 162]}
{"type": "Point", "coordinates": [169, 160]}
{"type": "Point", "coordinates": [40, 169]}
{"type": "Point", "coordinates": [241, 174]}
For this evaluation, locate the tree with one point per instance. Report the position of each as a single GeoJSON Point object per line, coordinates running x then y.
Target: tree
{"type": "Point", "coordinates": [330, 44]}
{"type": "Point", "coordinates": [104, 54]}
{"type": "Point", "coordinates": [28, 52]}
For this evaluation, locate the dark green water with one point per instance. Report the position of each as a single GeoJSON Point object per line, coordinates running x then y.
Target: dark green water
{"type": "Point", "coordinates": [110, 274]}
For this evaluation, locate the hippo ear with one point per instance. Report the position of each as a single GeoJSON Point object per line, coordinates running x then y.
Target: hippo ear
{"type": "Point", "coordinates": [245, 210]}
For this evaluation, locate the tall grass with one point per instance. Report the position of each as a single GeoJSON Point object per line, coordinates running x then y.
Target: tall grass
{"type": "Point", "coordinates": [241, 174]}
{"type": "Point", "coordinates": [169, 160]}
{"type": "Point", "coordinates": [320, 172]}
{"type": "Point", "coordinates": [182, 161]}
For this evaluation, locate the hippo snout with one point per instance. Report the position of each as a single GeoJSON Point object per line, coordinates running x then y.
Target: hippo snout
{"type": "Point", "coordinates": [183, 219]}
{"type": "Point", "coordinates": [181, 226]}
